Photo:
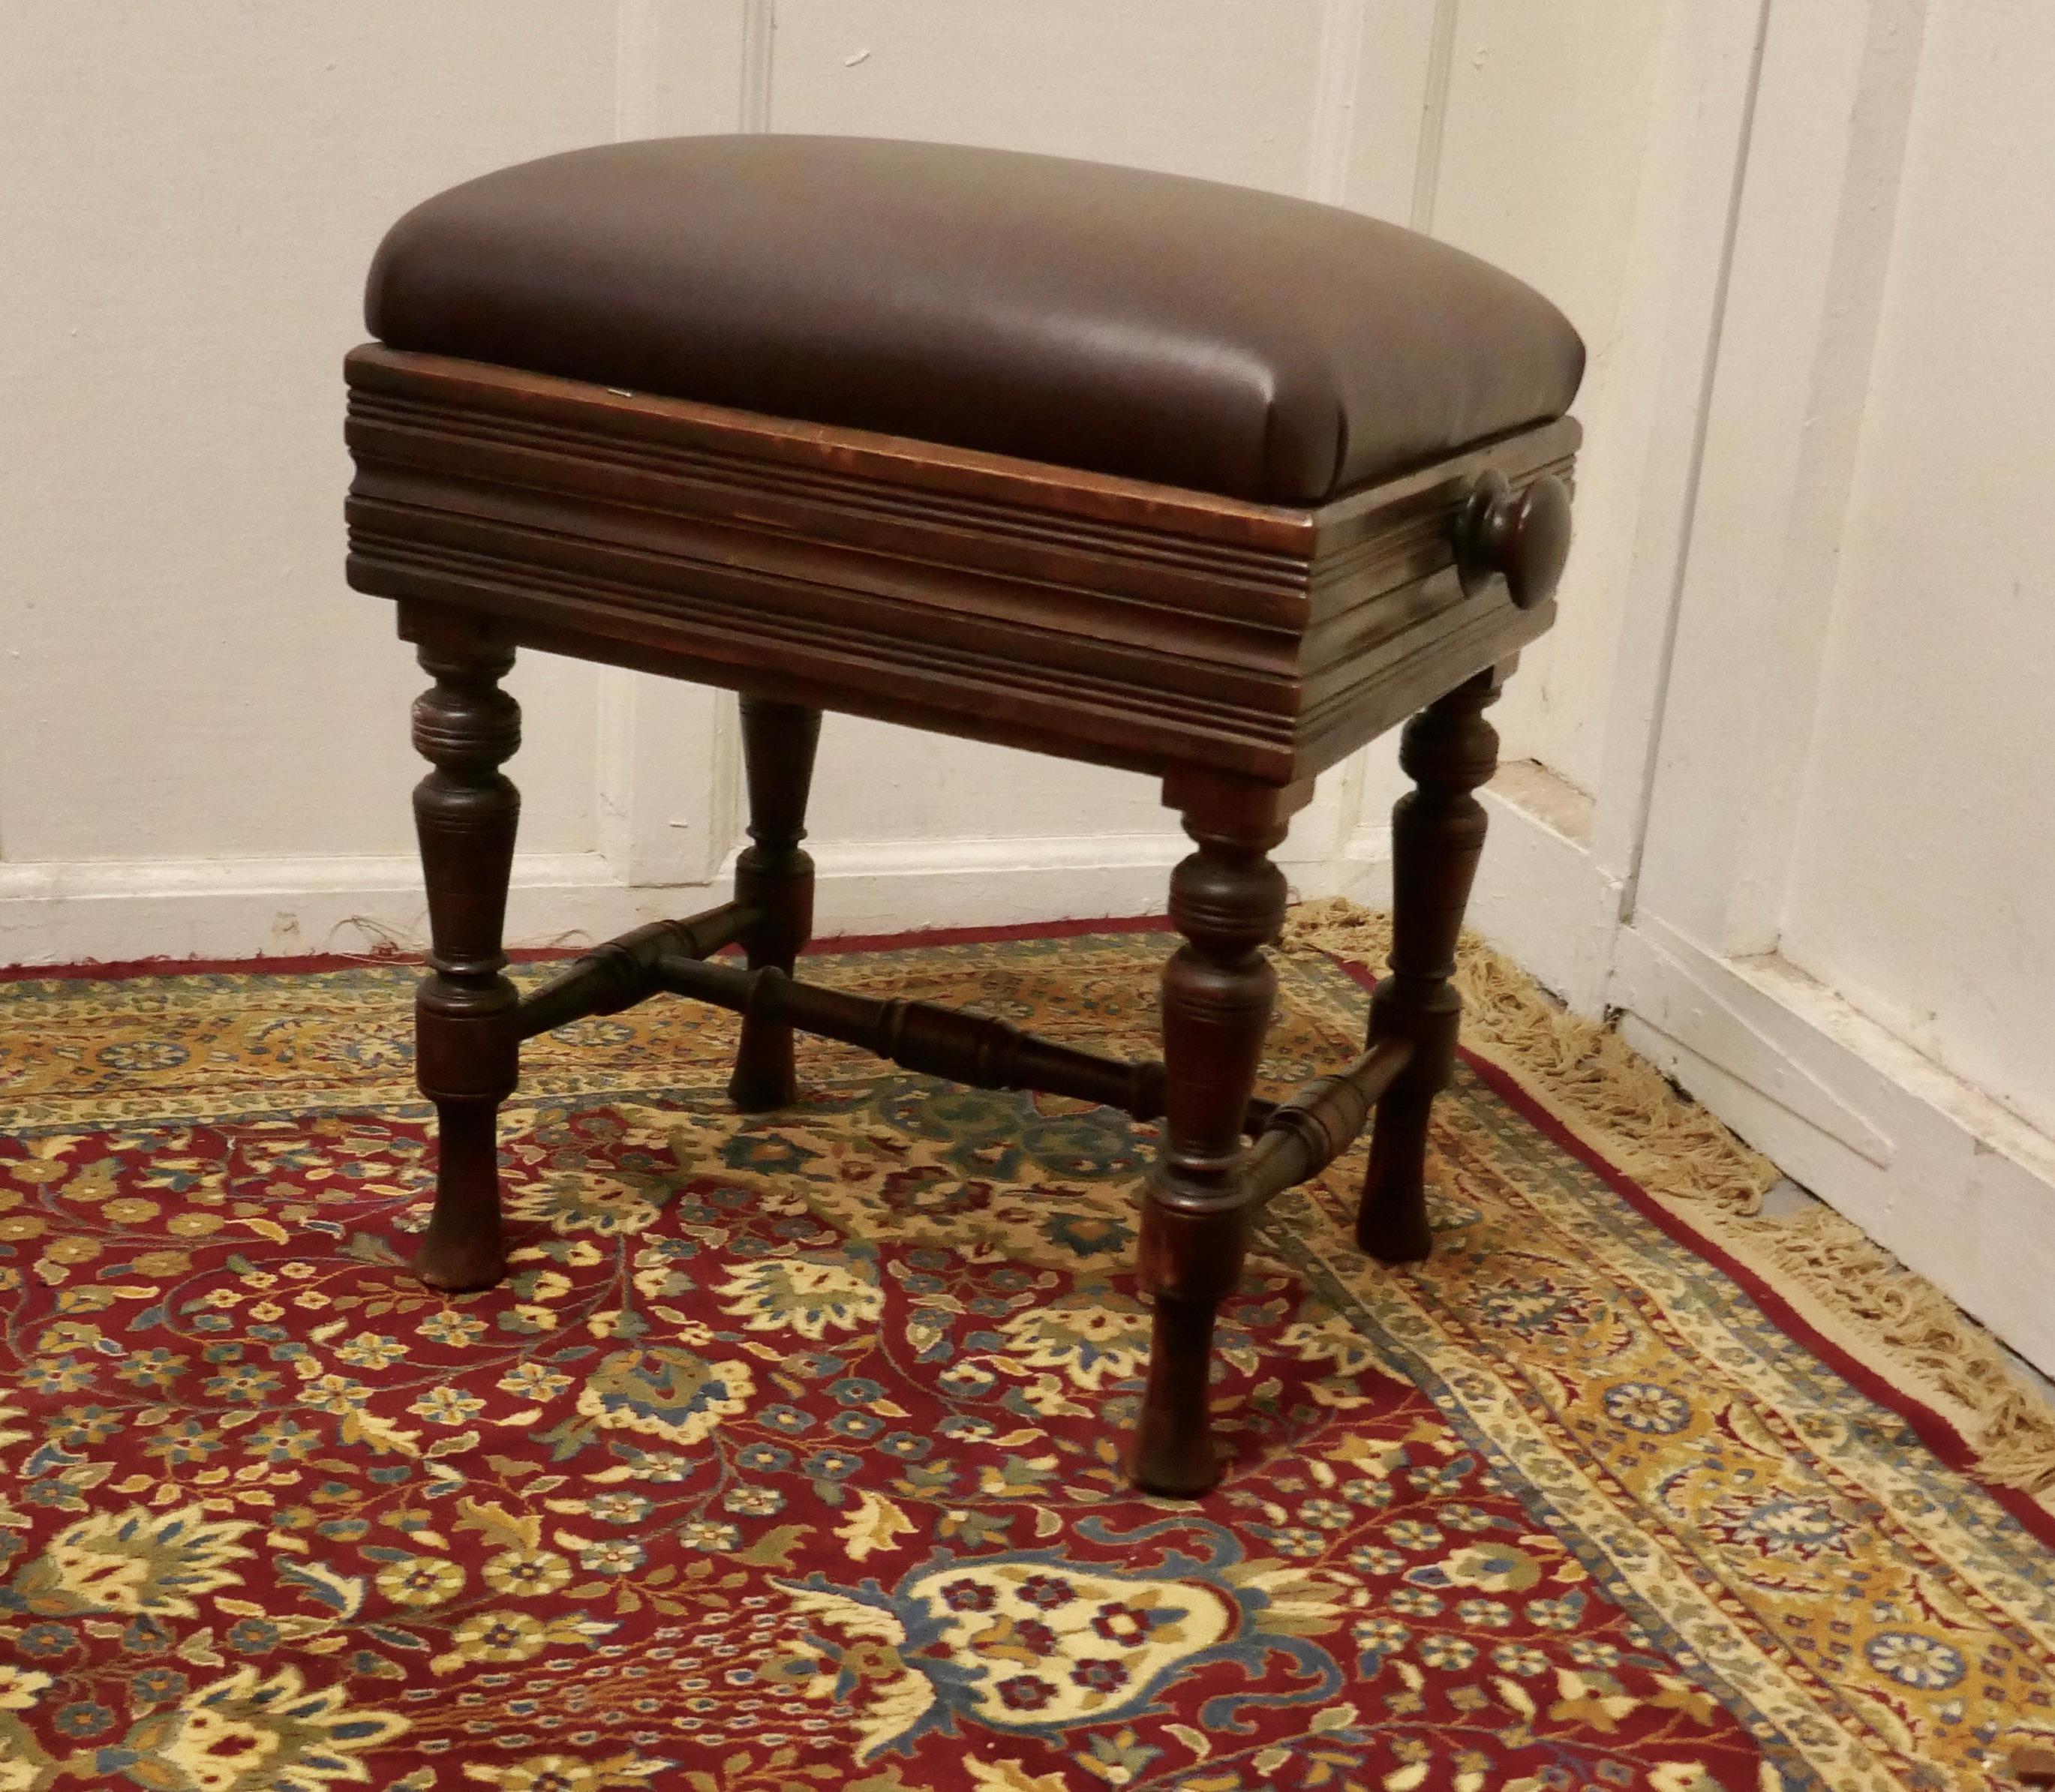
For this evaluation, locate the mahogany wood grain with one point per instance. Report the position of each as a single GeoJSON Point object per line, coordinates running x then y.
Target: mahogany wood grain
{"type": "Point", "coordinates": [774, 878]}
{"type": "Point", "coordinates": [1313, 1125]}
{"type": "Point", "coordinates": [1232, 649]}
{"type": "Point", "coordinates": [622, 972]}
{"type": "Point", "coordinates": [1227, 899]}
{"type": "Point", "coordinates": [466, 1048]}
{"type": "Point", "coordinates": [1437, 830]}
{"type": "Point", "coordinates": [1105, 619]}
{"type": "Point", "coordinates": [979, 1050]}
{"type": "Point", "coordinates": [2034, 1765]}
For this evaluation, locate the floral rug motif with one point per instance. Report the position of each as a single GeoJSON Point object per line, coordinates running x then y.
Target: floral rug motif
{"type": "Point", "coordinates": [787, 1458]}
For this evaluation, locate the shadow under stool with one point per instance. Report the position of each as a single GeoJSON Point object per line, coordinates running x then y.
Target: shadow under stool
{"type": "Point", "coordinates": [1196, 481]}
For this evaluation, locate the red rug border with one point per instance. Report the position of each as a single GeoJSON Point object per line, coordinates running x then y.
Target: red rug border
{"type": "Point", "coordinates": [1932, 1430]}
{"type": "Point", "coordinates": [1928, 1426]}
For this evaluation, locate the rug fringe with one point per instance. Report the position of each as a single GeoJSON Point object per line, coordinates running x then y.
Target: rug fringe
{"type": "Point", "coordinates": [1850, 1289]}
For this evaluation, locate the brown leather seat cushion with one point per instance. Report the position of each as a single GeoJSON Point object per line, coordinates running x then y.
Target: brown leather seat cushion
{"type": "Point", "coordinates": [1170, 329]}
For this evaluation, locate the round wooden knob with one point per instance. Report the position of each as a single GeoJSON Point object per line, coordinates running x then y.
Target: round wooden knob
{"type": "Point", "coordinates": [1522, 535]}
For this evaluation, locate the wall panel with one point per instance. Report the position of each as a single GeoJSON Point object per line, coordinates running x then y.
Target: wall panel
{"type": "Point", "coordinates": [1540, 162]}
{"type": "Point", "coordinates": [191, 195]}
{"type": "Point", "coordinates": [1926, 847]}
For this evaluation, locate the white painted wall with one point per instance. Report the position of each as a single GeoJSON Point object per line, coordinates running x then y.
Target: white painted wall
{"type": "Point", "coordinates": [1541, 166]}
{"type": "Point", "coordinates": [1810, 875]}
{"type": "Point", "coordinates": [188, 198]}
{"type": "Point", "coordinates": [1790, 738]}
{"type": "Point", "coordinates": [206, 744]}
{"type": "Point", "coordinates": [1923, 883]}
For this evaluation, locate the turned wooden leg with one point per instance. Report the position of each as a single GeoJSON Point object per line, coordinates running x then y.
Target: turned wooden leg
{"type": "Point", "coordinates": [465, 812]}
{"type": "Point", "coordinates": [1437, 836]}
{"type": "Point", "coordinates": [1228, 900]}
{"type": "Point", "coordinates": [774, 877]}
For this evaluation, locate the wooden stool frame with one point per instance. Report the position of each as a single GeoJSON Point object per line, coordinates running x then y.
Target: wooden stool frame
{"type": "Point", "coordinates": [1234, 650]}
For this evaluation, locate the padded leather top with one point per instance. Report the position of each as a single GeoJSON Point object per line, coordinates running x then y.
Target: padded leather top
{"type": "Point", "coordinates": [1168, 329]}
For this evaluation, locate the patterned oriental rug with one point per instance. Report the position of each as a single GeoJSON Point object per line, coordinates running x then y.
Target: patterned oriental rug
{"type": "Point", "coordinates": [785, 1460]}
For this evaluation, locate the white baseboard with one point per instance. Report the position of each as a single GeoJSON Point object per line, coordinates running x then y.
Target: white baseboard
{"type": "Point", "coordinates": [113, 911]}
{"type": "Point", "coordinates": [1541, 897]}
{"type": "Point", "coordinates": [1952, 1184]}
{"type": "Point", "coordinates": [116, 911]}
{"type": "Point", "coordinates": [898, 886]}
{"type": "Point", "coordinates": [867, 887]}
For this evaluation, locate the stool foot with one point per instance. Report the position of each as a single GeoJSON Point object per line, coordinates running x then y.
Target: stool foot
{"type": "Point", "coordinates": [466, 1052]}
{"type": "Point", "coordinates": [1437, 832]}
{"type": "Point", "coordinates": [1228, 900]}
{"type": "Point", "coordinates": [774, 877]}
{"type": "Point", "coordinates": [1175, 1452]}
{"type": "Point", "coordinates": [464, 1248]}
{"type": "Point", "coordinates": [1391, 1224]}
